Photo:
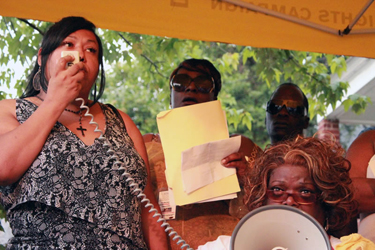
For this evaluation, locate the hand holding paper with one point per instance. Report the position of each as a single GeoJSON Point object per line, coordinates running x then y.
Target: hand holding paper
{"type": "Point", "coordinates": [201, 165]}
{"type": "Point", "coordinates": [186, 127]}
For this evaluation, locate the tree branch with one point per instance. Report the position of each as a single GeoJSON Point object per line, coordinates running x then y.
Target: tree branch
{"type": "Point", "coordinates": [144, 56]}
{"type": "Point", "coordinates": [32, 26]}
{"type": "Point", "coordinates": [291, 57]}
{"type": "Point", "coordinates": [129, 43]}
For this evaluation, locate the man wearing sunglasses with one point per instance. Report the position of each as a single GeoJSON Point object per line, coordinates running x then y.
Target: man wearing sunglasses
{"type": "Point", "coordinates": [197, 81]}
{"type": "Point", "coordinates": [287, 113]}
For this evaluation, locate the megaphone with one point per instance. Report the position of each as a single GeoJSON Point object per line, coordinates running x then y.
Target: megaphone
{"type": "Point", "coordinates": [279, 227]}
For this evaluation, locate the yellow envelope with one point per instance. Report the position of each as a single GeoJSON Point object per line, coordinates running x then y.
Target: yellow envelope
{"type": "Point", "coordinates": [183, 128]}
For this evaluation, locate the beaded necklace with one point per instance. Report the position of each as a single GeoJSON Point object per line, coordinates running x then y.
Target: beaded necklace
{"type": "Point", "coordinates": [80, 128]}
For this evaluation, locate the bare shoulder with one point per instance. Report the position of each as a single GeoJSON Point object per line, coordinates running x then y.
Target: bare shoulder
{"type": "Point", "coordinates": [126, 118]}
{"type": "Point", "coordinates": [365, 141]}
{"type": "Point", "coordinates": [8, 119]}
{"type": "Point", "coordinates": [8, 103]}
{"type": "Point", "coordinates": [131, 128]}
{"type": "Point", "coordinates": [7, 108]}
{"type": "Point", "coordinates": [369, 134]}
{"type": "Point", "coordinates": [360, 152]}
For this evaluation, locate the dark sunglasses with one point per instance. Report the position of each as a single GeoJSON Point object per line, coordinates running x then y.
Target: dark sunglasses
{"type": "Point", "coordinates": [300, 197]}
{"type": "Point", "coordinates": [275, 106]}
{"type": "Point", "coordinates": [203, 83]}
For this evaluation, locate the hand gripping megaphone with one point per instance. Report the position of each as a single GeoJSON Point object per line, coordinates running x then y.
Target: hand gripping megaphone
{"type": "Point", "coordinates": [279, 227]}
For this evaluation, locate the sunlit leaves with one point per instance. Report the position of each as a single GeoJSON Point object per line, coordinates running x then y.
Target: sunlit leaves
{"type": "Point", "coordinates": [337, 65]}
{"type": "Point", "coordinates": [138, 68]}
{"type": "Point", "coordinates": [236, 117]}
{"type": "Point", "coordinates": [356, 103]}
{"type": "Point", "coordinates": [247, 54]}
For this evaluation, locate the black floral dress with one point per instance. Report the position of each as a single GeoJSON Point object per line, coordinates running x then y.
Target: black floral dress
{"type": "Point", "coordinates": [73, 196]}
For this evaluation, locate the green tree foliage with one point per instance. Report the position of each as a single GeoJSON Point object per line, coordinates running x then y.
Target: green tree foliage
{"type": "Point", "coordinates": [138, 68]}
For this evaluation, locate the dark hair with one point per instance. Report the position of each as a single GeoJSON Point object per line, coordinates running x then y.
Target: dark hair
{"type": "Point", "coordinates": [305, 101]}
{"type": "Point", "coordinates": [52, 40]}
{"type": "Point", "coordinates": [327, 166]}
{"type": "Point", "coordinates": [203, 66]}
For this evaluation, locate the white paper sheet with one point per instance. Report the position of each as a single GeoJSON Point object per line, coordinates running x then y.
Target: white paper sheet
{"type": "Point", "coordinates": [201, 165]}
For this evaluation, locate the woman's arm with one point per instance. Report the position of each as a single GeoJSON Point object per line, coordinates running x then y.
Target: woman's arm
{"type": "Point", "coordinates": [240, 160]}
{"type": "Point", "coordinates": [154, 234]}
{"type": "Point", "coordinates": [21, 143]}
{"type": "Point", "coordinates": [359, 154]}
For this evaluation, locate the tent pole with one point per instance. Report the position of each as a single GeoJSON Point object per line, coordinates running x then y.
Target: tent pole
{"type": "Point", "coordinates": [362, 31]}
{"type": "Point", "coordinates": [348, 29]}
{"type": "Point", "coordinates": [273, 13]}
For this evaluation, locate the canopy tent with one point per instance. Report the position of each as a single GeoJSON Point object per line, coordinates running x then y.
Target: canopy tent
{"type": "Point", "coordinates": [342, 27]}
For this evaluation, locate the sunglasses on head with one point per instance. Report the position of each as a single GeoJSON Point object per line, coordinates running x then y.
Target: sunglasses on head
{"type": "Point", "coordinates": [302, 198]}
{"type": "Point", "coordinates": [293, 108]}
{"type": "Point", "coordinates": [203, 83]}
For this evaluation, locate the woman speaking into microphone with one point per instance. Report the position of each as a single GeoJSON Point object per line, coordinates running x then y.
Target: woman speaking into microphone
{"type": "Point", "coordinates": [59, 184]}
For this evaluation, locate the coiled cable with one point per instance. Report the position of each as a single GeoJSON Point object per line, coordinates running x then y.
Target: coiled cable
{"type": "Point", "coordinates": [136, 190]}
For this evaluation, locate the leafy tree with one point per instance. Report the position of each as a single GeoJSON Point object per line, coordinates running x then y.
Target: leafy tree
{"type": "Point", "coordinates": [139, 67]}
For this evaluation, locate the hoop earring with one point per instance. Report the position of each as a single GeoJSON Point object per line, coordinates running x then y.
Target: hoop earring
{"type": "Point", "coordinates": [326, 227]}
{"type": "Point", "coordinates": [36, 81]}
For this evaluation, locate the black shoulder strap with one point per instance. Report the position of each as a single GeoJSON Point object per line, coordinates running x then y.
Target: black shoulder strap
{"type": "Point", "coordinates": [117, 113]}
